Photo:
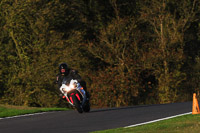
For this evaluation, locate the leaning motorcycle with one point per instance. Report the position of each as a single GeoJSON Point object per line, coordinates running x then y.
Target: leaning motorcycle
{"type": "Point", "coordinates": [75, 95]}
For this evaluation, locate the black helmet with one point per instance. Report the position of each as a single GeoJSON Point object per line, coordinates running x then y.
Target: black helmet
{"type": "Point", "coordinates": [63, 68]}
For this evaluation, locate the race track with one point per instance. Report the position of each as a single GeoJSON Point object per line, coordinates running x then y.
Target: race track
{"type": "Point", "coordinates": [97, 119]}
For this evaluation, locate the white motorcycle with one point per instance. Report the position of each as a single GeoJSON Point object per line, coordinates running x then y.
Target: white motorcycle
{"type": "Point", "coordinates": [75, 95]}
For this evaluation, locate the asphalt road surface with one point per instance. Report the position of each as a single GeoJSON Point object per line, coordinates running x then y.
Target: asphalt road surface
{"type": "Point", "coordinates": [97, 119]}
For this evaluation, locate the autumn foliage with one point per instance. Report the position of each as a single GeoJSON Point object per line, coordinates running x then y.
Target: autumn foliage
{"type": "Point", "coordinates": [129, 52]}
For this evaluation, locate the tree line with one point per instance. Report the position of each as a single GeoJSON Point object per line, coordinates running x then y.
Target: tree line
{"type": "Point", "coordinates": [129, 52]}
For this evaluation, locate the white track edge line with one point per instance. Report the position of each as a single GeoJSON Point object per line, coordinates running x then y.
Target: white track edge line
{"type": "Point", "coordinates": [157, 120]}
{"type": "Point", "coordinates": [23, 115]}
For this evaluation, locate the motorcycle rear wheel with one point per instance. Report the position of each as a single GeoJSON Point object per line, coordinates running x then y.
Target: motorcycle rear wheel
{"type": "Point", "coordinates": [86, 107]}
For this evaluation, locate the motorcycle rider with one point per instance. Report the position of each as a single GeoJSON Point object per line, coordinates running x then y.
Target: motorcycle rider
{"type": "Point", "coordinates": [66, 72]}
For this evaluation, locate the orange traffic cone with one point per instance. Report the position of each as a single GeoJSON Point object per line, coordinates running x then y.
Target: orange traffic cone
{"type": "Point", "coordinates": [195, 108]}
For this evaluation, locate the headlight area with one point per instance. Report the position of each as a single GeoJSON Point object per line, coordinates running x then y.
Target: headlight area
{"type": "Point", "coordinates": [66, 88]}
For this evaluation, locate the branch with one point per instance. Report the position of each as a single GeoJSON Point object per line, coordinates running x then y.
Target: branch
{"type": "Point", "coordinates": [17, 45]}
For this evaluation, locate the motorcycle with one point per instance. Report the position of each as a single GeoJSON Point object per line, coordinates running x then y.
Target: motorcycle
{"type": "Point", "coordinates": [75, 95]}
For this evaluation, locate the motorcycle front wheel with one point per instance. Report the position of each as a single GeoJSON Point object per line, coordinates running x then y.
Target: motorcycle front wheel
{"type": "Point", "coordinates": [77, 104]}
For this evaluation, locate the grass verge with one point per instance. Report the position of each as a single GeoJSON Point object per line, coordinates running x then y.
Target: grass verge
{"type": "Point", "coordinates": [182, 124]}
{"type": "Point", "coordinates": [9, 110]}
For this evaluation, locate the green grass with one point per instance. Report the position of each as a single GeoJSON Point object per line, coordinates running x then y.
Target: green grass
{"type": "Point", "coordinates": [182, 124]}
{"type": "Point", "coordinates": [8, 110]}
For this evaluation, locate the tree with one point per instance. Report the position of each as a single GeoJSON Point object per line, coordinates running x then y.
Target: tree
{"type": "Point", "coordinates": [168, 25]}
